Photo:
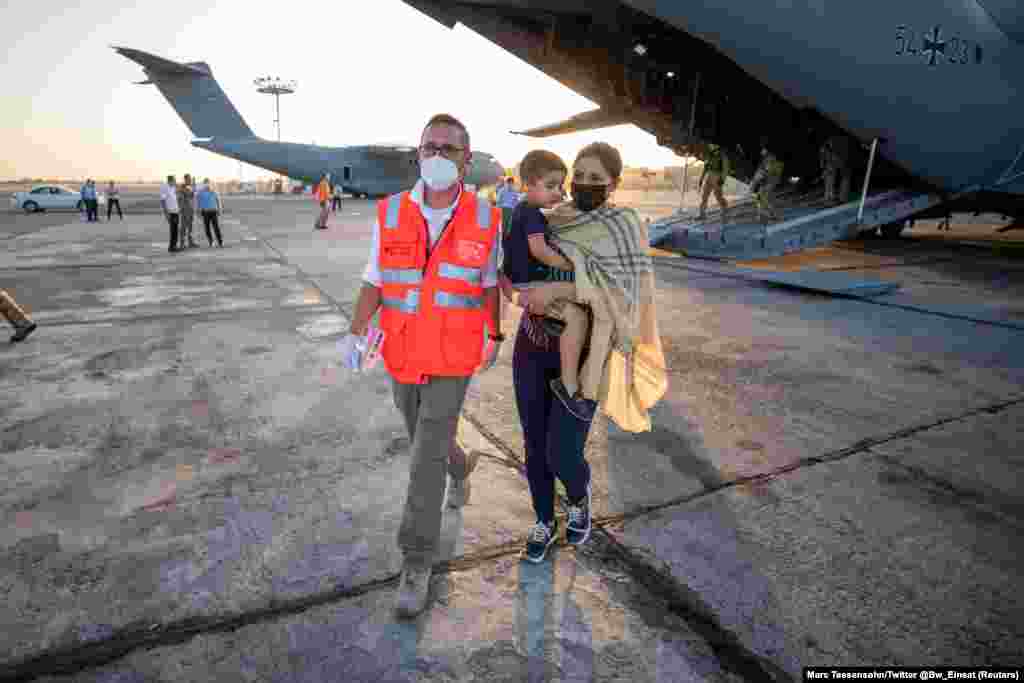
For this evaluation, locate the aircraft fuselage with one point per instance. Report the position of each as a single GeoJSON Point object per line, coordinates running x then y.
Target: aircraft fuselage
{"type": "Point", "coordinates": [939, 84]}
{"type": "Point", "coordinates": [360, 170]}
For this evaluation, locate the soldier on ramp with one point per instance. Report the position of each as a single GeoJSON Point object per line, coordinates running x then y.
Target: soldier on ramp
{"type": "Point", "coordinates": [712, 179]}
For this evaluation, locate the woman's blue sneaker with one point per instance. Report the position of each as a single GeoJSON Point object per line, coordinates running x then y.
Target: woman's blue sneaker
{"type": "Point", "coordinates": [577, 530]}
{"type": "Point", "coordinates": [540, 539]}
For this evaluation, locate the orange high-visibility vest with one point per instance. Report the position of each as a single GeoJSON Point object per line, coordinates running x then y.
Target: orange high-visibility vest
{"type": "Point", "coordinates": [323, 191]}
{"type": "Point", "coordinates": [432, 303]}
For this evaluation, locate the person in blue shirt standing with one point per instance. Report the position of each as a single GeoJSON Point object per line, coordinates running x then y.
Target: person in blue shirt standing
{"type": "Point", "coordinates": [89, 197]}
{"type": "Point", "coordinates": [508, 198]}
{"type": "Point", "coordinates": [208, 203]}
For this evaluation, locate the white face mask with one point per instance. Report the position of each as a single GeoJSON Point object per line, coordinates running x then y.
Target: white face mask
{"type": "Point", "coordinates": [438, 173]}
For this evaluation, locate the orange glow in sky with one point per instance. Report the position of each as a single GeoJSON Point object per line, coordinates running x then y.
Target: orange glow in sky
{"type": "Point", "coordinates": [367, 72]}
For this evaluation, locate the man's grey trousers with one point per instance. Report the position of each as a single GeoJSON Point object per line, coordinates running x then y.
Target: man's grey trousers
{"type": "Point", "coordinates": [431, 413]}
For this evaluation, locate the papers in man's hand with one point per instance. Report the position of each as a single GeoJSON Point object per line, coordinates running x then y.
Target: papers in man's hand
{"type": "Point", "coordinates": [374, 343]}
{"type": "Point", "coordinates": [361, 353]}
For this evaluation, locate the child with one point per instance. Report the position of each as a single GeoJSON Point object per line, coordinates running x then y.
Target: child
{"type": "Point", "coordinates": [530, 259]}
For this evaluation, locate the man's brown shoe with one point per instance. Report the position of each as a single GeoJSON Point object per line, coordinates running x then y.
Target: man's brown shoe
{"type": "Point", "coordinates": [412, 591]}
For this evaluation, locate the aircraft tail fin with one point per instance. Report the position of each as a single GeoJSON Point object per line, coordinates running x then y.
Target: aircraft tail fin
{"type": "Point", "coordinates": [194, 93]}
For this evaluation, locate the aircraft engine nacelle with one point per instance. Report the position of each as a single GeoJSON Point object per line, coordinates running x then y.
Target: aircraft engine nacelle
{"type": "Point", "coordinates": [484, 171]}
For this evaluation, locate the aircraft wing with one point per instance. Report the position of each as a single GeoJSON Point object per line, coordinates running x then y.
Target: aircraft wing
{"type": "Point", "coordinates": [597, 118]}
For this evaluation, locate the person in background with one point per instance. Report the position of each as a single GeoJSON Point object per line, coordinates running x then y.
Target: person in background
{"type": "Point", "coordinates": [764, 184]}
{"type": "Point", "coordinates": [208, 203]}
{"type": "Point", "coordinates": [508, 198]}
{"type": "Point", "coordinates": [835, 165]}
{"type": "Point", "coordinates": [336, 199]}
{"type": "Point", "coordinates": [322, 194]}
{"type": "Point", "coordinates": [89, 198]}
{"type": "Point", "coordinates": [169, 205]}
{"type": "Point", "coordinates": [16, 316]}
{"type": "Point", "coordinates": [113, 197]}
{"type": "Point", "coordinates": [186, 204]}
{"type": "Point", "coordinates": [712, 179]}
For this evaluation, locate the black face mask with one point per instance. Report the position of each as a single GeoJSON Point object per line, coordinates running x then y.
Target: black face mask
{"type": "Point", "coordinates": [588, 197]}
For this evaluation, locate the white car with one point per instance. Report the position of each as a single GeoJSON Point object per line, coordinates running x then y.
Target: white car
{"type": "Point", "coordinates": [43, 197]}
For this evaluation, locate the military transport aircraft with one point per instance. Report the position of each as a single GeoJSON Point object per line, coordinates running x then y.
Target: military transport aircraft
{"type": "Point", "coordinates": [367, 170]}
{"type": "Point", "coordinates": [936, 87]}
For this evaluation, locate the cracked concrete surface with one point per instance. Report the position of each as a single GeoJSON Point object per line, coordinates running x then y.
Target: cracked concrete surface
{"type": "Point", "coordinates": [193, 489]}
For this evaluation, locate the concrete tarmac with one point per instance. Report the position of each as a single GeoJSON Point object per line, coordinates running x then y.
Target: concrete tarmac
{"type": "Point", "coordinates": [193, 488]}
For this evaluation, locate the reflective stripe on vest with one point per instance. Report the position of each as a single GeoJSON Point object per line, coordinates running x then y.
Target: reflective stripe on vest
{"type": "Point", "coordinates": [410, 304]}
{"type": "Point", "coordinates": [447, 300]}
{"type": "Point", "coordinates": [468, 275]}
{"type": "Point", "coordinates": [394, 203]}
{"type": "Point", "coordinates": [483, 213]}
{"type": "Point", "coordinates": [401, 276]}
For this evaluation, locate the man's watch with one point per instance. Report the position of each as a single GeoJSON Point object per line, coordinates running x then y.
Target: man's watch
{"type": "Point", "coordinates": [497, 338]}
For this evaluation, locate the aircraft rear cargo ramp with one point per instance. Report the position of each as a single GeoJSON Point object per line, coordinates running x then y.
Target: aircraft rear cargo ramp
{"type": "Point", "coordinates": [804, 225]}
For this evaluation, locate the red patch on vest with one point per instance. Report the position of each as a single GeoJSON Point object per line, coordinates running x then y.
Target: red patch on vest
{"type": "Point", "coordinates": [398, 250]}
{"type": "Point", "coordinates": [468, 250]}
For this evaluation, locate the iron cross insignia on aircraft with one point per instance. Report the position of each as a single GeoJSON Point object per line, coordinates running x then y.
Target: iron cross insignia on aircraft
{"type": "Point", "coordinates": [934, 45]}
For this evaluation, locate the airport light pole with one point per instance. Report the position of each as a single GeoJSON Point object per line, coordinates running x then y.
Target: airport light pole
{"type": "Point", "coordinates": [276, 87]}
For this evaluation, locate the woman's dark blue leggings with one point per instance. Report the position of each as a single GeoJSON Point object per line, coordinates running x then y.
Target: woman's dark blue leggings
{"type": "Point", "coordinates": [553, 436]}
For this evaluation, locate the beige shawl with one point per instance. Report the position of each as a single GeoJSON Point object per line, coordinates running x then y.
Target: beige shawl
{"type": "Point", "coordinates": [625, 371]}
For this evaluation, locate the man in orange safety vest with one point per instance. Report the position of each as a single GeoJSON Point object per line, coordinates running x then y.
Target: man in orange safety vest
{"type": "Point", "coordinates": [322, 193]}
{"type": "Point", "coordinates": [433, 274]}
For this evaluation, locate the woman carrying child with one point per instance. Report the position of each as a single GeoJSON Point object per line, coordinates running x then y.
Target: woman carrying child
{"type": "Point", "coordinates": [612, 276]}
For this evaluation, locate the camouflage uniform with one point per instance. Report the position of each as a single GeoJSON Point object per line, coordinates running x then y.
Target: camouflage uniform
{"type": "Point", "coordinates": [186, 195]}
{"type": "Point", "coordinates": [835, 160]}
{"type": "Point", "coordinates": [16, 316]}
{"type": "Point", "coordinates": [765, 182]}
{"type": "Point", "coordinates": [716, 169]}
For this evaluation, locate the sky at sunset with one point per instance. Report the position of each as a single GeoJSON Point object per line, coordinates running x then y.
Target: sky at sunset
{"type": "Point", "coordinates": [367, 72]}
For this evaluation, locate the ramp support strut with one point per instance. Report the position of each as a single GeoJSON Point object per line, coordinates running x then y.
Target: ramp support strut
{"type": "Point", "coordinates": [867, 181]}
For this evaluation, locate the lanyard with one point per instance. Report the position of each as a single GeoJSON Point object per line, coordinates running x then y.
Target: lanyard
{"type": "Point", "coordinates": [440, 235]}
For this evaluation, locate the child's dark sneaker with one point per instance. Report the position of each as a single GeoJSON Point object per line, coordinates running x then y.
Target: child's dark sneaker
{"type": "Point", "coordinates": [540, 539]}
{"type": "Point", "coordinates": [582, 408]}
{"type": "Point", "coordinates": [577, 530]}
